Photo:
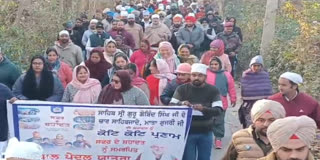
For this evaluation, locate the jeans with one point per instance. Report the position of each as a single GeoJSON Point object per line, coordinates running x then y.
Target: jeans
{"type": "Point", "coordinates": [198, 146]}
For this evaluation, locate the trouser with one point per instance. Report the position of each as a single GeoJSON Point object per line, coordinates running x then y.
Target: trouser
{"type": "Point", "coordinates": [245, 113]}
{"type": "Point", "coordinates": [233, 61]}
{"type": "Point", "coordinates": [218, 126]}
{"type": "Point", "coordinates": [3, 145]}
{"type": "Point", "coordinates": [198, 146]}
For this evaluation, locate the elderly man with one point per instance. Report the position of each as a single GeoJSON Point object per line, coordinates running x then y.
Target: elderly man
{"type": "Point", "coordinates": [191, 35]}
{"type": "Point", "coordinates": [232, 43]}
{"type": "Point", "coordinates": [120, 30]}
{"type": "Point", "coordinates": [89, 32]}
{"type": "Point", "coordinates": [135, 29]}
{"type": "Point", "coordinates": [252, 143]}
{"type": "Point", "coordinates": [157, 32]}
{"type": "Point", "coordinates": [206, 103]}
{"type": "Point", "coordinates": [97, 39]}
{"type": "Point", "coordinates": [296, 103]}
{"type": "Point", "coordinates": [291, 138]}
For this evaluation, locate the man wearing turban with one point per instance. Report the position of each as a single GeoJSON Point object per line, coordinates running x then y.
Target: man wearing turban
{"type": "Point", "coordinates": [252, 143]}
{"type": "Point", "coordinates": [295, 102]}
{"type": "Point", "coordinates": [291, 138]}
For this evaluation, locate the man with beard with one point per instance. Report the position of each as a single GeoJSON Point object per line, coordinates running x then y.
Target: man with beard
{"type": "Point", "coordinates": [67, 50]}
{"type": "Point", "coordinates": [76, 32]}
{"type": "Point", "coordinates": [232, 44]}
{"type": "Point", "coordinates": [191, 35]}
{"type": "Point", "coordinates": [296, 103]}
{"type": "Point", "coordinates": [157, 32]}
{"type": "Point", "coordinates": [127, 37]}
{"type": "Point", "coordinates": [135, 30]}
{"type": "Point", "coordinates": [252, 143]}
{"type": "Point", "coordinates": [145, 22]}
{"type": "Point", "coordinates": [107, 22]}
{"type": "Point", "coordinates": [177, 24]}
{"type": "Point", "coordinates": [97, 39]}
{"type": "Point", "coordinates": [291, 138]}
{"type": "Point", "coordinates": [206, 103]}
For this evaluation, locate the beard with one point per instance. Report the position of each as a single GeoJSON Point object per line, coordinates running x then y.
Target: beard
{"type": "Point", "coordinates": [64, 41]}
{"type": "Point", "coordinates": [197, 83]}
{"type": "Point", "coordinates": [130, 22]}
{"type": "Point", "coordinates": [262, 131]}
{"type": "Point", "coordinates": [278, 158]}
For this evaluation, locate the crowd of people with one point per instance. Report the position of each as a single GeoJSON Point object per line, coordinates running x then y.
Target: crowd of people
{"type": "Point", "coordinates": [168, 52]}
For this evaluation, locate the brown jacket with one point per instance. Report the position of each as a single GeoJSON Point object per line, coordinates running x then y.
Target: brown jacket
{"type": "Point", "coordinates": [272, 156]}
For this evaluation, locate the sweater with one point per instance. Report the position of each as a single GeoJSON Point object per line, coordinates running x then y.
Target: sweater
{"type": "Point", "coordinates": [169, 91]}
{"type": "Point", "coordinates": [55, 97]}
{"type": "Point", "coordinates": [194, 37]}
{"type": "Point", "coordinates": [5, 94]}
{"type": "Point", "coordinates": [141, 59]}
{"type": "Point", "coordinates": [97, 40]}
{"type": "Point", "coordinates": [226, 65]}
{"type": "Point", "coordinates": [127, 37]}
{"type": "Point", "coordinates": [134, 96]}
{"type": "Point", "coordinates": [231, 90]}
{"type": "Point", "coordinates": [9, 72]}
{"type": "Point", "coordinates": [71, 54]}
{"type": "Point", "coordinates": [255, 86]}
{"type": "Point", "coordinates": [65, 74]}
{"type": "Point", "coordinates": [70, 92]}
{"type": "Point", "coordinates": [137, 33]}
{"type": "Point", "coordinates": [302, 104]}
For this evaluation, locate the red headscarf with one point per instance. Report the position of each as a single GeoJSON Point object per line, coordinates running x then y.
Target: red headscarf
{"type": "Point", "coordinates": [109, 94]}
{"type": "Point", "coordinates": [98, 70]}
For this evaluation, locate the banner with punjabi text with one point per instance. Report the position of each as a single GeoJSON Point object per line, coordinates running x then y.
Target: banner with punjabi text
{"type": "Point", "coordinates": [68, 131]}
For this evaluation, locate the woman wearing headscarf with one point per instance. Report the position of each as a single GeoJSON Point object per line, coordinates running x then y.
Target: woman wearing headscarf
{"type": "Point", "coordinates": [121, 46]}
{"type": "Point", "coordinates": [82, 88]}
{"type": "Point", "coordinates": [236, 29]}
{"type": "Point", "coordinates": [167, 53]}
{"type": "Point", "coordinates": [38, 83]}
{"type": "Point", "coordinates": [185, 56]}
{"type": "Point", "coordinates": [158, 80]}
{"type": "Point", "coordinates": [110, 49]}
{"type": "Point", "coordinates": [136, 80]}
{"type": "Point", "coordinates": [121, 91]}
{"type": "Point", "coordinates": [61, 69]}
{"type": "Point", "coordinates": [120, 61]}
{"type": "Point", "coordinates": [217, 50]}
{"type": "Point", "coordinates": [97, 65]}
{"type": "Point", "coordinates": [224, 82]}
{"type": "Point", "coordinates": [255, 85]}
{"type": "Point", "coordinates": [143, 56]}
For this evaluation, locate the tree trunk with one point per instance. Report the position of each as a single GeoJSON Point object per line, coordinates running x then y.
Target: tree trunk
{"type": "Point", "coordinates": [268, 27]}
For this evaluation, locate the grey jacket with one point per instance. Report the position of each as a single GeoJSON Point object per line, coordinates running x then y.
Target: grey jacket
{"type": "Point", "coordinates": [194, 37]}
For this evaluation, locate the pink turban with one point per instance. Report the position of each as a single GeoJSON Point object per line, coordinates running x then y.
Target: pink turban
{"type": "Point", "coordinates": [282, 130]}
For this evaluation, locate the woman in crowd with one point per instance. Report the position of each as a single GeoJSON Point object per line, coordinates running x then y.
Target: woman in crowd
{"type": "Point", "coordinates": [255, 85]}
{"type": "Point", "coordinates": [236, 29]}
{"type": "Point", "coordinates": [122, 92]}
{"type": "Point", "coordinates": [97, 65]}
{"type": "Point", "coordinates": [223, 80]}
{"type": "Point", "coordinates": [185, 56]}
{"type": "Point", "coordinates": [38, 83]}
{"type": "Point", "coordinates": [217, 49]}
{"type": "Point", "coordinates": [120, 62]}
{"type": "Point", "coordinates": [110, 49]}
{"type": "Point", "coordinates": [166, 52]}
{"type": "Point", "coordinates": [143, 56]}
{"type": "Point", "coordinates": [62, 70]}
{"type": "Point", "coordinates": [121, 46]}
{"type": "Point", "coordinates": [82, 88]}
{"type": "Point", "coordinates": [158, 80]}
{"type": "Point", "coordinates": [136, 80]}
{"type": "Point", "coordinates": [183, 77]}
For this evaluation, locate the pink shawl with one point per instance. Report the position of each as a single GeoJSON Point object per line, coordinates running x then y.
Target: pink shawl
{"type": "Point", "coordinates": [87, 92]}
{"type": "Point", "coordinates": [165, 76]}
{"type": "Point", "coordinates": [173, 60]}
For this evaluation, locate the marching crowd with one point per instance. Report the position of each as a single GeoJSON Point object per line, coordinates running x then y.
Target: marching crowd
{"type": "Point", "coordinates": [168, 52]}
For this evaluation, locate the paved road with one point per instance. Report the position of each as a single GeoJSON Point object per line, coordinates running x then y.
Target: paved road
{"type": "Point", "coordinates": [232, 125]}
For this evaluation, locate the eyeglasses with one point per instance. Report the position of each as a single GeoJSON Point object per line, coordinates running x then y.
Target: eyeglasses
{"type": "Point", "coordinates": [35, 63]}
{"type": "Point", "coordinates": [115, 81]}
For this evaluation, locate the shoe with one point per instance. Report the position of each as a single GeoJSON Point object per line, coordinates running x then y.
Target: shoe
{"type": "Point", "coordinates": [218, 144]}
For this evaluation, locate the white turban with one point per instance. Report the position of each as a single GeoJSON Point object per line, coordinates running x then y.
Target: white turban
{"type": "Point", "coordinates": [94, 21]}
{"type": "Point", "coordinates": [155, 16]}
{"type": "Point", "coordinates": [265, 105]}
{"type": "Point", "coordinates": [64, 32]}
{"type": "Point", "coordinates": [23, 150]}
{"type": "Point", "coordinates": [282, 130]}
{"type": "Point", "coordinates": [199, 68]}
{"type": "Point", "coordinates": [294, 77]}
